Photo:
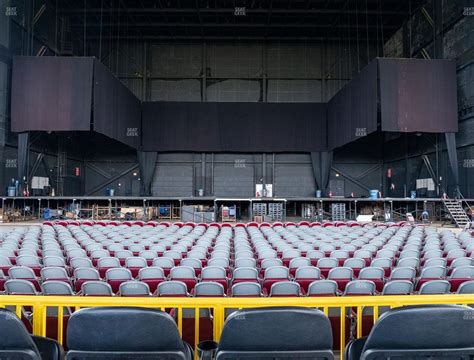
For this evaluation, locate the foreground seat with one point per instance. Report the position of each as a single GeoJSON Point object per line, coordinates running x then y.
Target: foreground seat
{"type": "Point", "coordinates": [130, 333]}
{"type": "Point", "coordinates": [438, 331]}
{"type": "Point", "coordinates": [16, 343]}
{"type": "Point", "coordinates": [282, 332]}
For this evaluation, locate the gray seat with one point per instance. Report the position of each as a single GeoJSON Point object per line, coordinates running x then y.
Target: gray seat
{"type": "Point", "coordinates": [16, 343]}
{"type": "Point", "coordinates": [124, 333]}
{"type": "Point", "coordinates": [434, 332]}
{"type": "Point", "coordinates": [280, 332]}
{"type": "Point", "coordinates": [134, 288]}
{"type": "Point", "coordinates": [249, 289]}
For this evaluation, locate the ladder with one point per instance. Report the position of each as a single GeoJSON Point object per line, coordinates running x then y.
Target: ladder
{"type": "Point", "coordinates": [457, 212]}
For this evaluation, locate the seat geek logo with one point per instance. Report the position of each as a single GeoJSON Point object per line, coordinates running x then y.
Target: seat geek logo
{"type": "Point", "coordinates": [132, 132]}
{"type": "Point", "coordinates": [10, 11]}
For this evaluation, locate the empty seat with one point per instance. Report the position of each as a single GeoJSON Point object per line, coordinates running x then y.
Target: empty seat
{"type": "Point", "coordinates": [152, 276]}
{"type": "Point", "coordinates": [134, 288]}
{"type": "Point", "coordinates": [165, 263]}
{"type": "Point", "coordinates": [117, 276]}
{"type": "Point", "coordinates": [466, 287]}
{"type": "Point", "coordinates": [459, 275]}
{"type": "Point", "coordinates": [134, 264]}
{"type": "Point", "coordinates": [435, 287]}
{"type": "Point", "coordinates": [273, 275]}
{"type": "Point", "coordinates": [276, 333]}
{"type": "Point", "coordinates": [24, 273]}
{"type": "Point", "coordinates": [104, 264]}
{"type": "Point", "coordinates": [430, 273]}
{"type": "Point", "coordinates": [81, 275]}
{"type": "Point", "coordinates": [209, 289]}
{"type": "Point", "coordinates": [322, 288]}
{"type": "Point", "coordinates": [285, 289]}
{"type": "Point", "coordinates": [341, 275]}
{"type": "Point", "coordinates": [246, 289]}
{"type": "Point", "coordinates": [128, 335]}
{"type": "Point", "coordinates": [244, 274]}
{"type": "Point", "coordinates": [184, 274]}
{"type": "Point", "coordinates": [96, 288]}
{"type": "Point", "coordinates": [305, 275]}
{"type": "Point", "coordinates": [374, 274]}
{"type": "Point", "coordinates": [437, 331]}
{"type": "Point", "coordinates": [398, 287]}
{"type": "Point", "coordinates": [54, 273]}
{"type": "Point", "coordinates": [55, 287]}
{"type": "Point", "coordinates": [172, 288]}
{"type": "Point", "coordinates": [19, 287]}
{"type": "Point", "coordinates": [326, 264]}
{"type": "Point", "coordinates": [16, 343]}
{"type": "Point", "coordinates": [215, 274]}
{"type": "Point", "coordinates": [360, 287]}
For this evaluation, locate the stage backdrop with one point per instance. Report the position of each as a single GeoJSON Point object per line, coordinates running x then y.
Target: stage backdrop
{"type": "Point", "coordinates": [234, 127]}
{"type": "Point", "coordinates": [418, 95]}
{"type": "Point", "coordinates": [117, 112]}
{"type": "Point", "coordinates": [352, 112]}
{"type": "Point", "coordinates": [51, 93]}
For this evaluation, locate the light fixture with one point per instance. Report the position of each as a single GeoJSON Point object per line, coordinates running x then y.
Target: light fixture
{"type": "Point", "coordinates": [135, 173]}
{"type": "Point", "coordinates": [337, 174]}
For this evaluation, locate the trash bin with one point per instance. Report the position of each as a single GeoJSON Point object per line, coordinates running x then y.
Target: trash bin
{"type": "Point", "coordinates": [207, 350]}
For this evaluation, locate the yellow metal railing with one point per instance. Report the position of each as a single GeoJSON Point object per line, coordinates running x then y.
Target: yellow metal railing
{"type": "Point", "coordinates": [39, 305]}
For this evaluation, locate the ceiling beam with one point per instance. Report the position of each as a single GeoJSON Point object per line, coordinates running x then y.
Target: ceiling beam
{"type": "Point", "coordinates": [178, 11]}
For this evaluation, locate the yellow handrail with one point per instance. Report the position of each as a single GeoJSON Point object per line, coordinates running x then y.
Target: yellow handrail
{"type": "Point", "coordinates": [356, 304]}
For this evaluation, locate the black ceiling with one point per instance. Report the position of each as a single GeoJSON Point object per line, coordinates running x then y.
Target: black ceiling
{"type": "Point", "coordinates": [322, 20]}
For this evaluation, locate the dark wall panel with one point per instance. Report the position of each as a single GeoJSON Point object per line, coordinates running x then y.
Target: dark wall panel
{"type": "Point", "coordinates": [51, 93]}
{"type": "Point", "coordinates": [238, 127]}
{"type": "Point", "coordinates": [352, 112]}
{"type": "Point", "coordinates": [117, 112]}
{"type": "Point", "coordinates": [418, 95]}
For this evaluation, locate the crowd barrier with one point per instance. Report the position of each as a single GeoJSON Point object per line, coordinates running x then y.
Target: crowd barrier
{"type": "Point", "coordinates": [347, 307]}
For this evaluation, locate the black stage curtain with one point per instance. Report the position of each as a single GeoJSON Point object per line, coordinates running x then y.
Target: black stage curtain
{"type": "Point", "coordinates": [117, 111]}
{"type": "Point", "coordinates": [322, 163]}
{"type": "Point", "coordinates": [453, 158]}
{"type": "Point", "coordinates": [23, 151]}
{"type": "Point", "coordinates": [234, 127]}
{"type": "Point", "coordinates": [147, 164]}
{"type": "Point", "coordinates": [51, 93]}
{"type": "Point", "coordinates": [418, 95]}
{"type": "Point", "coordinates": [352, 112]}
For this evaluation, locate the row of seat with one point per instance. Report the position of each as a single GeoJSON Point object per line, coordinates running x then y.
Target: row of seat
{"type": "Point", "coordinates": [439, 331]}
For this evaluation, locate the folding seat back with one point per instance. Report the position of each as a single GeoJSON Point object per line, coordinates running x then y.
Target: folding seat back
{"type": "Point", "coordinates": [246, 289]}
{"type": "Point", "coordinates": [165, 263]}
{"type": "Point", "coordinates": [5, 264]}
{"type": "Point", "coordinates": [322, 288]}
{"type": "Point", "coordinates": [265, 264]}
{"type": "Point", "coordinates": [117, 276]}
{"type": "Point", "coordinates": [216, 274]}
{"type": "Point", "coordinates": [81, 275]}
{"type": "Point", "coordinates": [435, 287]}
{"type": "Point", "coordinates": [403, 273]}
{"type": "Point", "coordinates": [246, 254]}
{"type": "Point", "coordinates": [374, 274]}
{"type": "Point", "coordinates": [96, 288]}
{"type": "Point", "coordinates": [80, 262]}
{"type": "Point", "coordinates": [360, 287]}
{"type": "Point", "coordinates": [76, 252]}
{"type": "Point", "coordinates": [466, 287]}
{"type": "Point", "coordinates": [152, 276]}
{"type": "Point", "coordinates": [171, 289]}
{"type": "Point", "coordinates": [363, 254]}
{"type": "Point", "coordinates": [31, 261]}
{"type": "Point", "coordinates": [54, 261]}
{"type": "Point", "coordinates": [398, 287]}
{"type": "Point", "coordinates": [106, 263]}
{"type": "Point", "coordinates": [356, 264]}
{"type": "Point", "coordinates": [459, 275]}
{"type": "Point", "coordinates": [149, 255]}
{"type": "Point", "coordinates": [136, 248]}
{"type": "Point", "coordinates": [54, 273]}
{"type": "Point", "coordinates": [297, 262]}
{"type": "Point", "coordinates": [209, 289]}
{"type": "Point", "coordinates": [245, 262]}
{"type": "Point", "coordinates": [54, 287]}
{"type": "Point", "coordinates": [326, 264]}
{"type": "Point", "coordinates": [184, 274]}
{"type": "Point", "coordinates": [341, 255]}
{"type": "Point", "coordinates": [87, 326]}
{"type": "Point", "coordinates": [244, 274]}
{"type": "Point", "coordinates": [436, 331]}
{"type": "Point", "coordinates": [435, 261]}
{"type": "Point", "coordinates": [134, 288]}
{"type": "Point", "coordinates": [384, 263]}
{"type": "Point", "coordinates": [219, 261]}
{"type": "Point", "coordinates": [463, 261]}
{"type": "Point", "coordinates": [412, 262]}
{"type": "Point", "coordinates": [16, 343]}
{"type": "Point", "coordinates": [285, 289]}
{"type": "Point", "coordinates": [134, 264]}
{"type": "Point", "coordinates": [275, 274]}
{"type": "Point", "coordinates": [19, 287]}
{"type": "Point", "coordinates": [276, 333]}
